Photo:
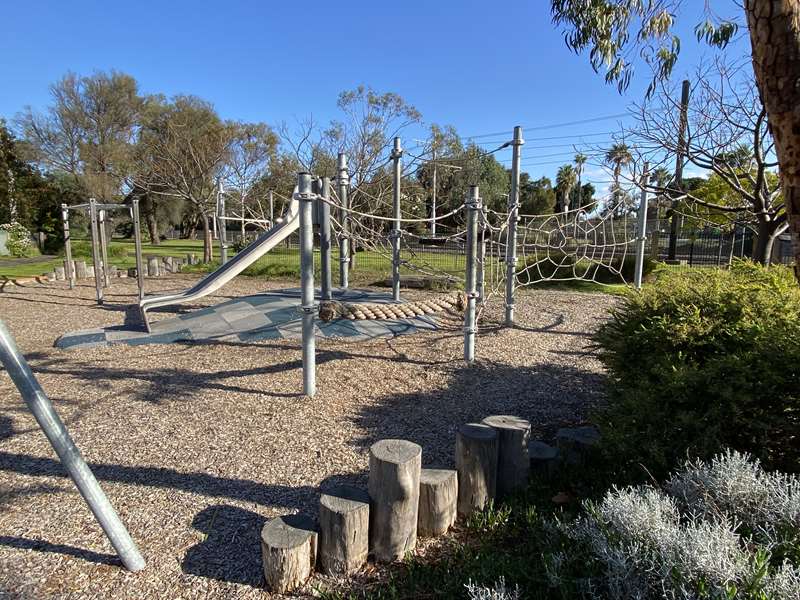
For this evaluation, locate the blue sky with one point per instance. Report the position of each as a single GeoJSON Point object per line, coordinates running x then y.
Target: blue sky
{"type": "Point", "coordinates": [480, 66]}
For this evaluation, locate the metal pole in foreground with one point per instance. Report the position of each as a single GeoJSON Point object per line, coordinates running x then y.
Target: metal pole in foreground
{"type": "Point", "coordinates": [137, 240]}
{"type": "Point", "coordinates": [223, 225]}
{"type": "Point", "coordinates": [481, 271]}
{"type": "Point", "coordinates": [69, 266]}
{"type": "Point", "coordinates": [306, 198]}
{"type": "Point", "coordinates": [641, 230]}
{"type": "Point", "coordinates": [67, 452]}
{"type": "Point", "coordinates": [342, 181]}
{"type": "Point", "coordinates": [473, 205]}
{"type": "Point", "coordinates": [513, 217]}
{"type": "Point", "coordinates": [98, 284]}
{"type": "Point", "coordinates": [101, 223]}
{"type": "Point", "coordinates": [397, 153]}
{"type": "Point", "coordinates": [325, 239]}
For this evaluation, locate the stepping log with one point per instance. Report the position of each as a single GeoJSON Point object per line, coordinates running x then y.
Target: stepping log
{"type": "Point", "coordinates": [544, 459]}
{"type": "Point", "coordinates": [167, 260]}
{"type": "Point", "coordinates": [60, 272]}
{"type": "Point", "coordinates": [576, 443]}
{"type": "Point", "coordinates": [438, 495]}
{"type": "Point", "coordinates": [343, 530]}
{"type": "Point", "coordinates": [288, 552]}
{"type": "Point", "coordinates": [80, 269]}
{"type": "Point", "coordinates": [152, 266]}
{"type": "Point", "coordinates": [513, 463]}
{"type": "Point", "coordinates": [131, 271]}
{"type": "Point", "coordinates": [476, 463]}
{"type": "Point", "coordinates": [394, 469]}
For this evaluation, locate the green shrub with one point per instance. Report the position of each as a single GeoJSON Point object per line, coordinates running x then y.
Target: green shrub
{"type": "Point", "coordinates": [83, 249]}
{"type": "Point", "coordinates": [19, 242]}
{"type": "Point", "coordinates": [701, 361]}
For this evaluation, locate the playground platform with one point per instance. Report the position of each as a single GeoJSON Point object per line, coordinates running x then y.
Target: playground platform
{"type": "Point", "coordinates": [271, 315]}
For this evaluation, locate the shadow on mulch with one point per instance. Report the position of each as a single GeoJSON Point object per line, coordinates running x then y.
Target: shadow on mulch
{"type": "Point", "coordinates": [21, 543]}
{"type": "Point", "coordinates": [231, 550]}
{"type": "Point", "coordinates": [549, 396]}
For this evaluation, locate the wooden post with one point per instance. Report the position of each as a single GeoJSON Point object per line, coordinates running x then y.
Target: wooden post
{"type": "Point", "coordinates": [61, 273]}
{"type": "Point", "coordinates": [152, 266]}
{"type": "Point", "coordinates": [288, 552]}
{"type": "Point", "coordinates": [394, 469]}
{"type": "Point", "coordinates": [80, 269]}
{"type": "Point", "coordinates": [513, 463]}
{"type": "Point", "coordinates": [476, 463]}
{"type": "Point", "coordinates": [438, 495]}
{"type": "Point", "coordinates": [168, 267]}
{"type": "Point", "coordinates": [343, 530]}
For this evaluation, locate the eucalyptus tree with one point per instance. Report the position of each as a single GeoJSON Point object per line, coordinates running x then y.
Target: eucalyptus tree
{"type": "Point", "coordinates": [613, 30]}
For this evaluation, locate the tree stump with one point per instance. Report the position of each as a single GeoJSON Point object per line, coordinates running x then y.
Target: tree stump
{"type": "Point", "coordinates": [80, 269]}
{"type": "Point", "coordinates": [576, 443]}
{"type": "Point", "coordinates": [112, 271]}
{"type": "Point", "coordinates": [60, 272]}
{"type": "Point", "coordinates": [288, 552]}
{"type": "Point", "coordinates": [343, 530]}
{"type": "Point", "coordinates": [177, 265]}
{"type": "Point", "coordinates": [476, 463]}
{"type": "Point", "coordinates": [152, 266]}
{"type": "Point", "coordinates": [90, 271]}
{"type": "Point", "coordinates": [438, 495]}
{"type": "Point", "coordinates": [394, 469]}
{"type": "Point", "coordinates": [513, 463]}
{"type": "Point", "coordinates": [132, 272]}
{"type": "Point", "coordinates": [544, 459]}
{"type": "Point", "coordinates": [167, 261]}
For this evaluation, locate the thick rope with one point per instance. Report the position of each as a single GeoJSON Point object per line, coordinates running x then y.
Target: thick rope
{"type": "Point", "coordinates": [333, 309]}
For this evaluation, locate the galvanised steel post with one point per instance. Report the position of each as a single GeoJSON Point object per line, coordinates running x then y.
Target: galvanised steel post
{"type": "Point", "coordinates": [222, 225]}
{"type": "Point", "coordinates": [306, 198]}
{"type": "Point", "coordinates": [513, 217]}
{"type": "Point", "coordinates": [68, 264]}
{"type": "Point", "coordinates": [641, 230]}
{"type": "Point", "coordinates": [342, 182]}
{"type": "Point", "coordinates": [69, 455]}
{"type": "Point", "coordinates": [473, 205]}
{"type": "Point", "coordinates": [481, 270]}
{"type": "Point", "coordinates": [98, 284]}
{"type": "Point", "coordinates": [101, 223]}
{"type": "Point", "coordinates": [137, 239]}
{"type": "Point", "coordinates": [325, 239]}
{"type": "Point", "coordinates": [397, 153]}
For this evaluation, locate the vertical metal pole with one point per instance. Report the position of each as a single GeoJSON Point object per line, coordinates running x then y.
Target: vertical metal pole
{"type": "Point", "coordinates": [397, 153]}
{"type": "Point", "coordinates": [641, 230]}
{"type": "Point", "coordinates": [513, 217]}
{"type": "Point", "coordinates": [271, 210]}
{"type": "Point", "coordinates": [306, 198]}
{"type": "Point", "coordinates": [433, 198]}
{"type": "Point", "coordinates": [137, 241]}
{"type": "Point", "coordinates": [101, 217]}
{"type": "Point", "coordinates": [481, 269]}
{"type": "Point", "coordinates": [69, 455]}
{"type": "Point", "coordinates": [325, 239]}
{"type": "Point", "coordinates": [678, 180]}
{"type": "Point", "coordinates": [69, 266]}
{"type": "Point", "coordinates": [343, 181]}
{"type": "Point", "coordinates": [222, 228]}
{"type": "Point", "coordinates": [98, 283]}
{"type": "Point", "coordinates": [473, 208]}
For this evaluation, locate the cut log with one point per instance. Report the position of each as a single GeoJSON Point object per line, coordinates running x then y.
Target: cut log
{"type": "Point", "coordinates": [167, 261]}
{"type": "Point", "coordinates": [476, 463]}
{"type": "Point", "coordinates": [394, 469]}
{"type": "Point", "coordinates": [576, 443]}
{"type": "Point", "coordinates": [80, 269]}
{"type": "Point", "coordinates": [60, 273]}
{"type": "Point", "coordinates": [513, 463]}
{"type": "Point", "coordinates": [544, 459]}
{"type": "Point", "coordinates": [288, 552]}
{"type": "Point", "coordinates": [152, 266]}
{"type": "Point", "coordinates": [343, 530]}
{"type": "Point", "coordinates": [438, 495]}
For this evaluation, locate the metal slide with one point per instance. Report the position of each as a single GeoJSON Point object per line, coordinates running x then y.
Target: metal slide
{"type": "Point", "coordinates": [282, 229]}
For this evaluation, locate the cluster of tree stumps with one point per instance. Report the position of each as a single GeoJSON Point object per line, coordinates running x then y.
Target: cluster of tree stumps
{"type": "Point", "coordinates": [403, 501]}
{"type": "Point", "coordinates": [155, 266]}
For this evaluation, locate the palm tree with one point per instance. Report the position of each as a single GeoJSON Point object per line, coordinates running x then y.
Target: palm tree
{"type": "Point", "coordinates": [618, 156]}
{"type": "Point", "coordinates": [580, 159]}
{"type": "Point", "coordinates": [565, 181]}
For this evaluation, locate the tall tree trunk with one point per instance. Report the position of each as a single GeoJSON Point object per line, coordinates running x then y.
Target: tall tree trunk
{"type": "Point", "coordinates": [775, 38]}
{"type": "Point", "coordinates": [207, 244]}
{"type": "Point", "coordinates": [764, 242]}
{"type": "Point", "coordinates": [152, 227]}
